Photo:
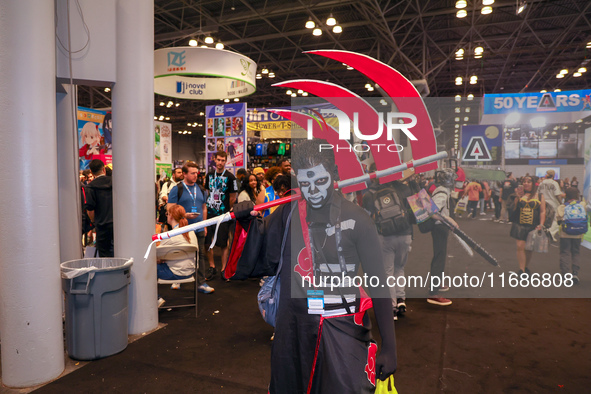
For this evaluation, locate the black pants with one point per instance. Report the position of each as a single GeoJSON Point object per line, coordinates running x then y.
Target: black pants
{"type": "Point", "coordinates": [497, 202]}
{"type": "Point", "coordinates": [439, 235]}
{"type": "Point", "coordinates": [201, 258]}
{"type": "Point", "coordinates": [472, 205]}
{"type": "Point", "coordinates": [104, 240]}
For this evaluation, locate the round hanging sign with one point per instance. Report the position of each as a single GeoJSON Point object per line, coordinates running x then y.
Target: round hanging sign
{"type": "Point", "coordinates": [203, 73]}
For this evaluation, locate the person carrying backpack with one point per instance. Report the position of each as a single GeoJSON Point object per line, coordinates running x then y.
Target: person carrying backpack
{"type": "Point", "coordinates": [573, 219]}
{"type": "Point", "coordinates": [393, 217]}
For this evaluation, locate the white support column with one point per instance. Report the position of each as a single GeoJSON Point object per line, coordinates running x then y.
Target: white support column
{"type": "Point", "coordinates": [30, 284]}
{"type": "Point", "coordinates": [69, 184]}
{"type": "Point", "coordinates": [133, 156]}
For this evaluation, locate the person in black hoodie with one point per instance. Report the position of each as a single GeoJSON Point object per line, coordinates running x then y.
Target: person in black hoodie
{"type": "Point", "coordinates": [99, 206]}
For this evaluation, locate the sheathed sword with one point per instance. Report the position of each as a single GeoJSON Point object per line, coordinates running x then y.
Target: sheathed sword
{"type": "Point", "coordinates": [261, 207]}
{"type": "Point", "coordinates": [462, 235]}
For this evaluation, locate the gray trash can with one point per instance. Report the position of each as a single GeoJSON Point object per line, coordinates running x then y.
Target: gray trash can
{"type": "Point", "coordinates": [96, 306]}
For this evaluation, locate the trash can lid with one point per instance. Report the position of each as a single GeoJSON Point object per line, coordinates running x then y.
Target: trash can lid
{"type": "Point", "coordinates": [73, 268]}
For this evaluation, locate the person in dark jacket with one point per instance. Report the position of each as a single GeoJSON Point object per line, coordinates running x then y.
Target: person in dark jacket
{"type": "Point", "coordinates": [99, 206]}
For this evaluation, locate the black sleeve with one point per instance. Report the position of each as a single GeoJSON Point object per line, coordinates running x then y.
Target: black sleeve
{"type": "Point", "coordinates": [369, 251]}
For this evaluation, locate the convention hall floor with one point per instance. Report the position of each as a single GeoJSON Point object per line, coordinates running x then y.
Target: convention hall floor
{"type": "Point", "coordinates": [476, 345]}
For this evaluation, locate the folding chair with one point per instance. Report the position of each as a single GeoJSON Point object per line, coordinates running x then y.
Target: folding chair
{"type": "Point", "coordinates": [178, 252]}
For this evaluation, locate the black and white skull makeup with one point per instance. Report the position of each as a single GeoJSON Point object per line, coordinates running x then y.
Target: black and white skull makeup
{"type": "Point", "coordinates": [316, 185]}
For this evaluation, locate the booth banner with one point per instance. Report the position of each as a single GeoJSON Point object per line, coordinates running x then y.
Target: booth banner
{"type": "Point", "coordinates": [265, 124]}
{"type": "Point", "coordinates": [226, 131]}
{"type": "Point", "coordinates": [203, 73]}
{"type": "Point", "coordinates": [482, 144]}
{"type": "Point", "coordinates": [164, 170]}
{"type": "Point", "coordinates": [587, 184]}
{"type": "Point", "coordinates": [162, 142]}
{"type": "Point", "coordinates": [531, 103]}
{"type": "Point", "coordinates": [94, 136]}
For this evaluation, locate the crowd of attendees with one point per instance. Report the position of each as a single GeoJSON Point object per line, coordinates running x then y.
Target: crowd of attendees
{"type": "Point", "coordinates": [528, 203]}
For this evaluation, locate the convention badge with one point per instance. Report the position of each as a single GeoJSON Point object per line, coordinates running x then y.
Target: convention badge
{"type": "Point", "coordinates": [315, 302]}
{"type": "Point", "coordinates": [194, 209]}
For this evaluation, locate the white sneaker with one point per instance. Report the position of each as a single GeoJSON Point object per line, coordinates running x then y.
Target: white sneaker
{"type": "Point", "coordinates": [205, 288]}
{"type": "Point", "coordinates": [161, 302]}
{"type": "Point", "coordinates": [175, 286]}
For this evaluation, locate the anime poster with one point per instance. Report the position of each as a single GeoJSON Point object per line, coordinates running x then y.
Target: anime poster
{"type": "Point", "coordinates": [422, 206]}
{"type": "Point", "coordinates": [235, 151]}
{"type": "Point", "coordinates": [226, 131]}
{"type": "Point", "coordinates": [164, 170]}
{"type": "Point", "coordinates": [163, 142]}
{"type": "Point", "coordinates": [94, 136]}
{"type": "Point", "coordinates": [209, 127]}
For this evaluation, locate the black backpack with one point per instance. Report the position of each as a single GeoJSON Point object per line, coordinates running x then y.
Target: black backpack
{"type": "Point", "coordinates": [389, 212]}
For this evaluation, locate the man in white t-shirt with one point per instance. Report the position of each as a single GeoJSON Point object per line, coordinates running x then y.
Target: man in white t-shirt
{"type": "Point", "coordinates": [550, 189]}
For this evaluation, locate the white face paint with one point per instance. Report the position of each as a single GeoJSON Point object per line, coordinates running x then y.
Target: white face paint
{"type": "Point", "coordinates": [315, 184]}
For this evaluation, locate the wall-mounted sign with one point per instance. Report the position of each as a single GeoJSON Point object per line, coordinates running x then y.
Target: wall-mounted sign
{"type": "Point", "coordinates": [482, 143]}
{"type": "Point", "coordinates": [203, 73]}
{"type": "Point", "coordinates": [531, 103]}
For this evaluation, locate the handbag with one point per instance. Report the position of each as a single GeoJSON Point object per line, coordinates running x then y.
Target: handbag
{"type": "Point", "coordinates": [537, 241]}
{"type": "Point", "coordinates": [268, 297]}
{"type": "Point", "coordinates": [386, 386]}
{"type": "Point", "coordinates": [462, 205]}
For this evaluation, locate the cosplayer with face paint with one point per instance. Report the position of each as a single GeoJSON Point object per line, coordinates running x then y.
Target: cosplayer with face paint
{"type": "Point", "coordinates": [322, 339]}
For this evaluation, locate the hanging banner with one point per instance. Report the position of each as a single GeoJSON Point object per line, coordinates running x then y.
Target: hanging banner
{"type": "Point", "coordinates": [587, 184]}
{"type": "Point", "coordinates": [481, 144]}
{"type": "Point", "coordinates": [162, 142]}
{"type": "Point", "coordinates": [94, 136]}
{"type": "Point", "coordinates": [226, 131]}
{"type": "Point", "coordinates": [203, 73]}
{"type": "Point", "coordinates": [164, 170]}
{"type": "Point", "coordinates": [528, 103]}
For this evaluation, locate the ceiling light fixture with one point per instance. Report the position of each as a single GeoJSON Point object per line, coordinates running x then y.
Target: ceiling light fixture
{"type": "Point", "coordinates": [208, 40]}
{"type": "Point", "coordinates": [107, 90]}
{"type": "Point", "coordinates": [543, 91]}
{"type": "Point", "coordinates": [331, 21]}
{"type": "Point", "coordinates": [459, 54]}
{"type": "Point", "coordinates": [264, 71]}
{"type": "Point", "coordinates": [294, 95]}
{"type": "Point", "coordinates": [488, 2]}
{"type": "Point", "coordinates": [300, 91]}
{"type": "Point", "coordinates": [192, 42]}
{"type": "Point", "coordinates": [236, 99]}
{"type": "Point", "coordinates": [271, 75]}
{"type": "Point", "coordinates": [564, 71]}
{"type": "Point", "coordinates": [473, 80]}
{"type": "Point", "coordinates": [305, 94]}
{"type": "Point", "coordinates": [461, 4]}
{"type": "Point", "coordinates": [337, 29]}
{"type": "Point", "coordinates": [458, 97]}
{"type": "Point", "coordinates": [162, 103]}
{"type": "Point", "coordinates": [486, 10]}
{"type": "Point", "coordinates": [470, 97]}
{"type": "Point", "coordinates": [289, 92]}
{"type": "Point", "coordinates": [478, 51]}
{"type": "Point", "coordinates": [370, 89]}
{"type": "Point", "coordinates": [259, 76]}
{"type": "Point", "coordinates": [169, 104]}
{"type": "Point", "coordinates": [219, 45]}
{"type": "Point", "coordinates": [204, 46]}
{"type": "Point", "coordinates": [577, 74]}
{"type": "Point", "coordinates": [317, 32]}
{"type": "Point", "coordinates": [582, 70]}
{"type": "Point", "coordinates": [167, 118]}
{"type": "Point", "coordinates": [588, 45]}
{"type": "Point", "coordinates": [461, 14]}
{"type": "Point", "coordinates": [310, 24]}
{"type": "Point", "coordinates": [559, 76]}
{"type": "Point", "coordinates": [226, 100]}
{"type": "Point", "coordinates": [161, 117]}
{"type": "Point", "coordinates": [177, 104]}
{"type": "Point", "coordinates": [459, 80]}
{"type": "Point", "coordinates": [557, 90]}
{"type": "Point", "coordinates": [521, 7]}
